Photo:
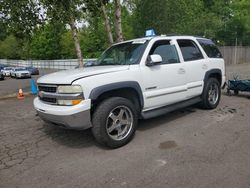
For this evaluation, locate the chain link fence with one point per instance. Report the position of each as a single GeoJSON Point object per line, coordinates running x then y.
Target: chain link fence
{"type": "Point", "coordinates": [232, 55]}
{"type": "Point", "coordinates": [46, 64]}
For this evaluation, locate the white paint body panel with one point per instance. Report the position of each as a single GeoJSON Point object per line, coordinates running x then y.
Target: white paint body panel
{"type": "Point", "coordinates": [160, 84]}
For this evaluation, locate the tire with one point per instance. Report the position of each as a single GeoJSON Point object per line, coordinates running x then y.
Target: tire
{"type": "Point", "coordinates": [207, 102]}
{"type": "Point", "coordinates": [106, 116]}
{"type": "Point", "coordinates": [236, 92]}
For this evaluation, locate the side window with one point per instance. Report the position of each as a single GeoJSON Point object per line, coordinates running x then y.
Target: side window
{"type": "Point", "coordinates": [167, 51]}
{"type": "Point", "coordinates": [190, 50]}
{"type": "Point", "coordinates": [210, 48]}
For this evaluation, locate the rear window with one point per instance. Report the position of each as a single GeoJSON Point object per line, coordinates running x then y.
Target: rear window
{"type": "Point", "coordinates": [190, 50]}
{"type": "Point", "coordinates": [210, 48]}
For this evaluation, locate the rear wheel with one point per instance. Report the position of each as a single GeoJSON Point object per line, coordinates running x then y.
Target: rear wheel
{"type": "Point", "coordinates": [211, 94]}
{"type": "Point", "coordinates": [114, 122]}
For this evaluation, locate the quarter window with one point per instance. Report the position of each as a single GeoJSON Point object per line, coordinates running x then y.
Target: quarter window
{"type": "Point", "coordinates": [190, 50]}
{"type": "Point", "coordinates": [167, 51]}
{"type": "Point", "coordinates": [210, 48]}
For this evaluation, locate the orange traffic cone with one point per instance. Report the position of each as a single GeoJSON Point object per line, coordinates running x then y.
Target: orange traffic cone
{"type": "Point", "coordinates": [20, 94]}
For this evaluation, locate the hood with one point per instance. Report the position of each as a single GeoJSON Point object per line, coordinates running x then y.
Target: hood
{"type": "Point", "coordinates": [68, 76]}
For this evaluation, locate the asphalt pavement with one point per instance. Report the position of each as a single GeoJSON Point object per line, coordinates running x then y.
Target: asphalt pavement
{"type": "Point", "coordinates": [186, 148]}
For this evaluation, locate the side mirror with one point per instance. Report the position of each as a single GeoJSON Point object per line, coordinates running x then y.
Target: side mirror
{"type": "Point", "coordinates": [154, 60]}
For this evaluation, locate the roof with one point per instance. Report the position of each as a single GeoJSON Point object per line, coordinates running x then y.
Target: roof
{"type": "Point", "coordinates": [164, 37]}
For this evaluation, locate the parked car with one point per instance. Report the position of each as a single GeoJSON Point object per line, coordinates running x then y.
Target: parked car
{"type": "Point", "coordinates": [6, 71]}
{"type": "Point", "coordinates": [140, 78]}
{"type": "Point", "coordinates": [20, 73]}
{"type": "Point", "coordinates": [33, 70]}
{"type": "Point", "coordinates": [1, 76]}
{"type": "Point", "coordinates": [2, 66]}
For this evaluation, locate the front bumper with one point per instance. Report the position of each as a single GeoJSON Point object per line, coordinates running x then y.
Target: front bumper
{"type": "Point", "coordinates": [23, 76]}
{"type": "Point", "coordinates": [7, 74]}
{"type": "Point", "coordinates": [71, 117]}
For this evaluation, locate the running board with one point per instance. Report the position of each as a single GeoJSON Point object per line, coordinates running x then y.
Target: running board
{"type": "Point", "coordinates": [169, 108]}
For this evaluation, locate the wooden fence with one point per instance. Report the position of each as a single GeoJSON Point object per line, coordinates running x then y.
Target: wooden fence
{"type": "Point", "coordinates": [236, 55]}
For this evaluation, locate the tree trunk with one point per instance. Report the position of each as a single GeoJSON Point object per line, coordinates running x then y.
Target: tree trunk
{"type": "Point", "coordinates": [118, 21]}
{"type": "Point", "coordinates": [76, 41]}
{"type": "Point", "coordinates": [107, 24]}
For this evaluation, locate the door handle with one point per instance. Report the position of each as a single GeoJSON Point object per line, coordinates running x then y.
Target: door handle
{"type": "Point", "coordinates": [181, 71]}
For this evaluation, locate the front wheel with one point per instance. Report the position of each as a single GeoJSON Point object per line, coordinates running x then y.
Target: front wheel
{"type": "Point", "coordinates": [114, 122]}
{"type": "Point", "coordinates": [211, 94]}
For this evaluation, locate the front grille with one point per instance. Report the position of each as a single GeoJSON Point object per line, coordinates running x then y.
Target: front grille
{"type": "Point", "coordinates": [50, 89]}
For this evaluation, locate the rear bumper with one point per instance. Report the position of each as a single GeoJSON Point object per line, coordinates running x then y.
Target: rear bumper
{"type": "Point", "coordinates": [71, 117]}
{"type": "Point", "coordinates": [223, 82]}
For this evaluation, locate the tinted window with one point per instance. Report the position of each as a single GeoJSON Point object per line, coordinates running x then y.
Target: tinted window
{"type": "Point", "coordinates": [122, 54]}
{"type": "Point", "coordinates": [209, 47]}
{"type": "Point", "coordinates": [166, 51]}
{"type": "Point", "coordinates": [190, 50]}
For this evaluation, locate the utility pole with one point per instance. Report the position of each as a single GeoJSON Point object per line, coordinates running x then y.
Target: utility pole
{"type": "Point", "coordinates": [235, 51]}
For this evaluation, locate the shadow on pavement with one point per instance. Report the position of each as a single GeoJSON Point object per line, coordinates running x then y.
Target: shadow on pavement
{"type": "Point", "coordinates": [83, 139]}
{"type": "Point", "coordinates": [166, 118]}
{"type": "Point", "coordinates": [69, 138]}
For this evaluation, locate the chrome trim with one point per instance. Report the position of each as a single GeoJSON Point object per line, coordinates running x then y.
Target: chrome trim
{"type": "Point", "coordinates": [44, 85]}
{"type": "Point", "coordinates": [192, 87]}
{"type": "Point", "coordinates": [168, 93]}
{"type": "Point", "coordinates": [60, 96]}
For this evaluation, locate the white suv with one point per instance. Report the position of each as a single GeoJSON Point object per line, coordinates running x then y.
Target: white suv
{"type": "Point", "coordinates": [140, 78]}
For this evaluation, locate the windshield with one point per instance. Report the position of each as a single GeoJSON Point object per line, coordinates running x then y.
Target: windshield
{"type": "Point", "coordinates": [7, 68]}
{"type": "Point", "coordinates": [122, 54]}
{"type": "Point", "coordinates": [21, 69]}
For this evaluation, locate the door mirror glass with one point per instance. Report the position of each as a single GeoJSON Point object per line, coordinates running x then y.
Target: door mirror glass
{"type": "Point", "coordinates": [154, 60]}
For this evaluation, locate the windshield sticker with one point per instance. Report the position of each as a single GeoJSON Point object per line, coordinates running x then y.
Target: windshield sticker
{"type": "Point", "coordinates": [142, 41]}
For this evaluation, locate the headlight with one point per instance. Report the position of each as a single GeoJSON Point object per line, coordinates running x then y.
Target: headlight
{"type": "Point", "coordinates": [69, 89]}
{"type": "Point", "coordinates": [70, 92]}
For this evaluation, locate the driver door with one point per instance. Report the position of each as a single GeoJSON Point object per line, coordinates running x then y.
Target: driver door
{"type": "Point", "coordinates": [164, 84]}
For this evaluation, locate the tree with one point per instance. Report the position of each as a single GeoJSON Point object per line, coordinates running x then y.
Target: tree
{"type": "Point", "coordinates": [107, 22]}
{"type": "Point", "coordinates": [67, 46]}
{"type": "Point", "coordinates": [21, 16]}
{"type": "Point", "coordinates": [67, 11]}
{"type": "Point", "coordinates": [45, 43]}
{"type": "Point", "coordinates": [9, 48]}
{"type": "Point", "coordinates": [118, 21]}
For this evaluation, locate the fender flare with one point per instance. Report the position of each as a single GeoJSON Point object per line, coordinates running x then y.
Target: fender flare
{"type": "Point", "coordinates": [96, 92]}
{"type": "Point", "coordinates": [212, 71]}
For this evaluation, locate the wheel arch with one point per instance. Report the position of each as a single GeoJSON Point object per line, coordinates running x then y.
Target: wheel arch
{"type": "Point", "coordinates": [213, 73]}
{"type": "Point", "coordinates": [127, 89]}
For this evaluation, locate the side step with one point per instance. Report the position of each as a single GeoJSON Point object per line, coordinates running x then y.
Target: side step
{"type": "Point", "coordinates": [169, 108]}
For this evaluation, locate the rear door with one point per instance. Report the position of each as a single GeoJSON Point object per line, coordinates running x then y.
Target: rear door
{"type": "Point", "coordinates": [195, 65]}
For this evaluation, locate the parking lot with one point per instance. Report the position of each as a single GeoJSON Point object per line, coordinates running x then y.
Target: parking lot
{"type": "Point", "coordinates": [186, 148]}
{"type": "Point", "coordinates": [11, 85]}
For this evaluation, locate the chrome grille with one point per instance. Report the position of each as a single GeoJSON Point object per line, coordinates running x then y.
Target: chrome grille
{"type": "Point", "coordinates": [48, 89]}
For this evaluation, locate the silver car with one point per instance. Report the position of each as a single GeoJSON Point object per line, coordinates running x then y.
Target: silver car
{"type": "Point", "coordinates": [6, 71]}
{"type": "Point", "coordinates": [20, 73]}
